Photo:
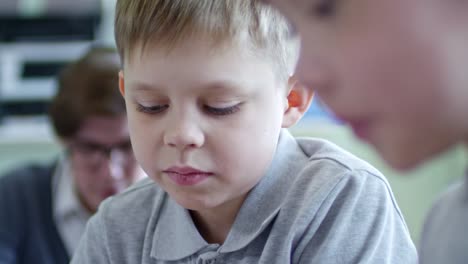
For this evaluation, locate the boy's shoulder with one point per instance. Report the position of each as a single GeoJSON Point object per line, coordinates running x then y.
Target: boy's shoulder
{"type": "Point", "coordinates": [313, 171]}
{"type": "Point", "coordinates": [331, 168]}
{"type": "Point", "coordinates": [328, 174]}
{"type": "Point", "coordinates": [324, 195]}
{"type": "Point", "coordinates": [316, 162]}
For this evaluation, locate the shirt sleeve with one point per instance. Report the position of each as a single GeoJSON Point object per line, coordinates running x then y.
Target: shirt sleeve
{"type": "Point", "coordinates": [359, 223]}
{"type": "Point", "coordinates": [93, 245]}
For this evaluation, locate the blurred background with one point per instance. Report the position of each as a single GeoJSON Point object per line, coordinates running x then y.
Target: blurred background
{"type": "Point", "coordinates": [38, 37]}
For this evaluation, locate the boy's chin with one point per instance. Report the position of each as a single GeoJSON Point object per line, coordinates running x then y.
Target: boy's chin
{"type": "Point", "coordinates": [407, 158]}
{"type": "Point", "coordinates": [404, 165]}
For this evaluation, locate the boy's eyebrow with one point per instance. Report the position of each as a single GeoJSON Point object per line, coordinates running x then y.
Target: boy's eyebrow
{"type": "Point", "coordinates": [139, 86]}
{"type": "Point", "coordinates": [215, 86]}
{"type": "Point", "coordinates": [224, 85]}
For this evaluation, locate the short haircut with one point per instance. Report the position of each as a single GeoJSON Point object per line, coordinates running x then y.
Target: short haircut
{"type": "Point", "coordinates": [165, 23]}
{"type": "Point", "coordinates": [87, 88]}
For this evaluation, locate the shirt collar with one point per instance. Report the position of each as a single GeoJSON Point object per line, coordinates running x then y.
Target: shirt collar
{"type": "Point", "coordinates": [65, 200]}
{"type": "Point", "coordinates": [176, 236]}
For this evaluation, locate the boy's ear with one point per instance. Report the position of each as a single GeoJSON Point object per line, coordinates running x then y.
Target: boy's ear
{"type": "Point", "coordinates": [121, 83]}
{"type": "Point", "coordinates": [299, 98]}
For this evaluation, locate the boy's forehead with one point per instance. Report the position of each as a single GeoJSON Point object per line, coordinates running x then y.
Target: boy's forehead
{"type": "Point", "coordinates": [194, 49]}
{"type": "Point", "coordinates": [214, 85]}
{"type": "Point", "coordinates": [143, 50]}
{"type": "Point", "coordinates": [222, 67]}
{"type": "Point", "coordinates": [209, 80]}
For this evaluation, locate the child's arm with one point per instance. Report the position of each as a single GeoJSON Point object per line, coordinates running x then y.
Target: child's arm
{"type": "Point", "coordinates": [360, 223]}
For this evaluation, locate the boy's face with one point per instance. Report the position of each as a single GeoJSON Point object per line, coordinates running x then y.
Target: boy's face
{"type": "Point", "coordinates": [395, 70]}
{"type": "Point", "coordinates": [204, 124]}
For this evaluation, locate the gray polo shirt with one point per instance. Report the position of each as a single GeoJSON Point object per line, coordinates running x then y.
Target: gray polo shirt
{"type": "Point", "coordinates": [445, 236]}
{"type": "Point", "coordinates": [316, 204]}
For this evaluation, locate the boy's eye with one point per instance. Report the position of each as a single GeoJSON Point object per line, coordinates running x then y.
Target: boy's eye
{"type": "Point", "coordinates": [87, 147]}
{"type": "Point", "coordinates": [222, 111]}
{"type": "Point", "coordinates": [155, 109]}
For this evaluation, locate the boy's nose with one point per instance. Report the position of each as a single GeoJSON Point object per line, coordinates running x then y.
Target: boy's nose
{"type": "Point", "coordinates": [184, 134]}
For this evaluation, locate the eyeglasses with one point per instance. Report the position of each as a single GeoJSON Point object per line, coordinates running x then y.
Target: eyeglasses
{"type": "Point", "coordinates": [93, 154]}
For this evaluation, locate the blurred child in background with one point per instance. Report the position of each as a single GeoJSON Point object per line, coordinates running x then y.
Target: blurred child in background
{"type": "Point", "coordinates": [44, 208]}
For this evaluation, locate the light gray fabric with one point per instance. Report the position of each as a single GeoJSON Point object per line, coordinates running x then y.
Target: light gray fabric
{"type": "Point", "coordinates": [316, 204]}
{"type": "Point", "coordinates": [445, 236]}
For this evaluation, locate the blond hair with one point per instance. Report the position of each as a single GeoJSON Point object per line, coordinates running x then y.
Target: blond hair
{"type": "Point", "coordinates": [166, 23]}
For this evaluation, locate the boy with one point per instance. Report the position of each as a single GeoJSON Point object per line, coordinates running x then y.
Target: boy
{"type": "Point", "coordinates": [396, 72]}
{"type": "Point", "coordinates": [44, 208]}
{"type": "Point", "coordinates": [208, 89]}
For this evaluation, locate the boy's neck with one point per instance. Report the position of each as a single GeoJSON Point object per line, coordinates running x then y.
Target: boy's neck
{"type": "Point", "coordinates": [214, 224]}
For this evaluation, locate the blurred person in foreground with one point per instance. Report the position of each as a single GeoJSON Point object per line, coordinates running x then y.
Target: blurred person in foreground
{"type": "Point", "coordinates": [396, 72]}
{"type": "Point", "coordinates": [45, 208]}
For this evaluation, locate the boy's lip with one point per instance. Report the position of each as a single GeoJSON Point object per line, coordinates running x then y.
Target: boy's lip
{"type": "Point", "coordinates": [186, 176]}
{"type": "Point", "coordinates": [185, 170]}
